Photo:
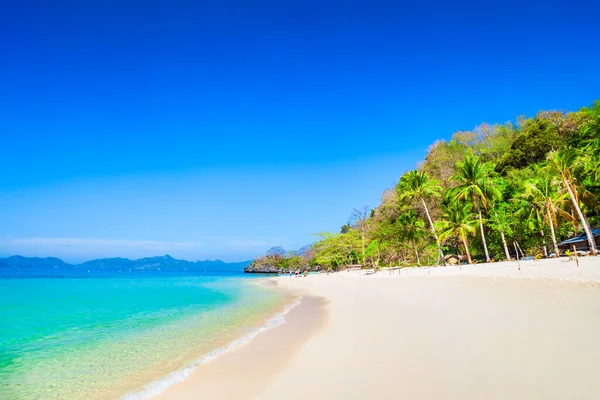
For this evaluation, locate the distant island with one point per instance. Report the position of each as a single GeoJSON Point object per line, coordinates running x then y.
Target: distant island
{"type": "Point", "coordinates": [161, 263]}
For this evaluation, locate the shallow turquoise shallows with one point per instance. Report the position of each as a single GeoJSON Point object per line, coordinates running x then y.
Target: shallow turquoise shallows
{"type": "Point", "coordinates": [105, 338]}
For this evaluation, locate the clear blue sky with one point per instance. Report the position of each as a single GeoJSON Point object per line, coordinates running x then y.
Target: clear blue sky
{"type": "Point", "coordinates": [216, 129]}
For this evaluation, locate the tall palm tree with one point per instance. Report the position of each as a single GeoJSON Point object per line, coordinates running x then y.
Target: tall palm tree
{"type": "Point", "coordinates": [501, 222]}
{"type": "Point", "coordinates": [457, 221]}
{"type": "Point", "coordinates": [541, 194]}
{"type": "Point", "coordinates": [418, 186]}
{"type": "Point", "coordinates": [565, 162]}
{"type": "Point", "coordinates": [411, 228]}
{"type": "Point", "coordinates": [474, 179]}
{"type": "Point", "coordinates": [531, 212]}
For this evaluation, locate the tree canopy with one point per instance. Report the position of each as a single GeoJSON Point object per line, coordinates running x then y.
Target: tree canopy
{"type": "Point", "coordinates": [482, 195]}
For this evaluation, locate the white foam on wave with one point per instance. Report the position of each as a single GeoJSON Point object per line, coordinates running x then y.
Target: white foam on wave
{"type": "Point", "coordinates": [161, 385]}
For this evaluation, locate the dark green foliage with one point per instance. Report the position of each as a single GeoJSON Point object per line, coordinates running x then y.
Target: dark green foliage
{"type": "Point", "coordinates": [514, 182]}
{"type": "Point", "coordinates": [536, 138]}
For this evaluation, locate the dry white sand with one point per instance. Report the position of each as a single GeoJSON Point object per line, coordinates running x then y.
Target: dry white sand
{"type": "Point", "coordinates": [480, 333]}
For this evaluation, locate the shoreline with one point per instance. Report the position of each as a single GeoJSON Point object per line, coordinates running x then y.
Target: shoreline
{"type": "Point", "coordinates": [488, 331]}
{"type": "Point", "coordinates": [257, 360]}
{"type": "Point", "coordinates": [266, 321]}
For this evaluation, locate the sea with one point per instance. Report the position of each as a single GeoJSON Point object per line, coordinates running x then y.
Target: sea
{"type": "Point", "coordinates": [122, 335]}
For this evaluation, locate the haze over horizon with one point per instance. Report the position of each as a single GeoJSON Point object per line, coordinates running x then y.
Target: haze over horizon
{"type": "Point", "coordinates": [216, 131]}
{"type": "Point", "coordinates": [162, 256]}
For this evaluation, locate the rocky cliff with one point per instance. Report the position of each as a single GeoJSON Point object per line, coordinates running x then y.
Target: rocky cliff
{"type": "Point", "coordinates": [264, 269]}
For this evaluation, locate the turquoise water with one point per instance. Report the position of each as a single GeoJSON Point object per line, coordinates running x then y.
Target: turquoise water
{"type": "Point", "coordinates": [103, 338]}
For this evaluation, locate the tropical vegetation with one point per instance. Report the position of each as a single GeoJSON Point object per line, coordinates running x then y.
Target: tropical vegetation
{"type": "Point", "coordinates": [492, 193]}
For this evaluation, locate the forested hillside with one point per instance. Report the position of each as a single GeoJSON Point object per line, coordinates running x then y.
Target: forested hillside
{"type": "Point", "coordinates": [484, 195]}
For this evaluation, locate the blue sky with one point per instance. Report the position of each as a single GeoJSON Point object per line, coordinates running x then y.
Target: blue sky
{"type": "Point", "coordinates": [218, 130]}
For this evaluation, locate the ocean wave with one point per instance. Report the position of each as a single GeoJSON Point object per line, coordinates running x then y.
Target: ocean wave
{"type": "Point", "coordinates": [161, 385]}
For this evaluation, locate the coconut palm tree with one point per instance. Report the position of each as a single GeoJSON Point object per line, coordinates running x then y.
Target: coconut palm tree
{"type": "Point", "coordinates": [457, 221]}
{"type": "Point", "coordinates": [531, 212]}
{"type": "Point", "coordinates": [418, 186]}
{"type": "Point", "coordinates": [565, 163]}
{"type": "Point", "coordinates": [499, 218]}
{"type": "Point", "coordinates": [475, 184]}
{"type": "Point", "coordinates": [541, 195]}
{"type": "Point", "coordinates": [411, 228]}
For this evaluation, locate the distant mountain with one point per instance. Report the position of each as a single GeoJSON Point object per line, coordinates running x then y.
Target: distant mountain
{"type": "Point", "coordinates": [33, 262]}
{"type": "Point", "coordinates": [162, 263]}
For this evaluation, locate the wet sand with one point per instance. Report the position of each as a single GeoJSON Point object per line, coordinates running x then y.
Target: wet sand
{"type": "Point", "coordinates": [247, 370]}
{"type": "Point", "coordinates": [486, 332]}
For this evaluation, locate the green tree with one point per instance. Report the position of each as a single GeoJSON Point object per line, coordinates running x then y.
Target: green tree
{"type": "Point", "coordinates": [536, 138]}
{"type": "Point", "coordinates": [457, 221]}
{"type": "Point", "coordinates": [387, 235]}
{"type": "Point", "coordinates": [412, 229]}
{"type": "Point", "coordinates": [474, 178]}
{"type": "Point", "coordinates": [528, 209]}
{"type": "Point", "coordinates": [565, 162]}
{"type": "Point", "coordinates": [337, 250]}
{"type": "Point", "coordinates": [550, 173]}
{"type": "Point", "coordinates": [416, 185]}
{"type": "Point", "coordinates": [500, 221]}
{"type": "Point", "coordinates": [590, 156]}
{"type": "Point", "coordinates": [541, 194]}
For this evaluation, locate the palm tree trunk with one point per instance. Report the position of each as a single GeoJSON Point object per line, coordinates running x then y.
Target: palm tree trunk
{"type": "Point", "coordinates": [464, 240]}
{"type": "Point", "coordinates": [587, 222]}
{"type": "Point", "coordinates": [417, 253]}
{"type": "Point", "coordinates": [553, 234]}
{"type": "Point", "coordinates": [586, 228]}
{"type": "Point", "coordinates": [506, 252]}
{"type": "Point", "coordinates": [544, 243]}
{"type": "Point", "coordinates": [487, 255]}
{"type": "Point", "coordinates": [433, 230]}
{"type": "Point", "coordinates": [363, 246]}
{"type": "Point", "coordinates": [520, 249]}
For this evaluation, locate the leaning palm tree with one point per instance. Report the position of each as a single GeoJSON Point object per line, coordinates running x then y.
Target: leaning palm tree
{"type": "Point", "coordinates": [475, 184]}
{"type": "Point", "coordinates": [457, 221]}
{"type": "Point", "coordinates": [417, 185]}
{"type": "Point", "coordinates": [532, 214]}
{"type": "Point", "coordinates": [529, 210]}
{"type": "Point", "coordinates": [541, 194]}
{"type": "Point", "coordinates": [565, 163]}
{"type": "Point", "coordinates": [411, 228]}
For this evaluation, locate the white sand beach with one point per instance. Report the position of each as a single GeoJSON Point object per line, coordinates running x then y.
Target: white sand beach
{"type": "Point", "coordinates": [487, 332]}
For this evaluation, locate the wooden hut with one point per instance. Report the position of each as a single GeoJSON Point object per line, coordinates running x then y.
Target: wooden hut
{"type": "Point", "coordinates": [580, 242]}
